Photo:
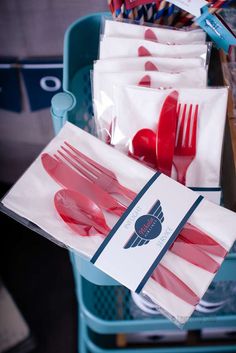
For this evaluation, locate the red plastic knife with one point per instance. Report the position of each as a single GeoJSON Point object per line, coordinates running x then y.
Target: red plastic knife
{"type": "Point", "coordinates": [172, 283]}
{"type": "Point", "coordinates": [166, 131]}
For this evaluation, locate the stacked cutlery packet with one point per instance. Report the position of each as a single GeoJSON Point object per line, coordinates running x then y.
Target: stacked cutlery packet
{"type": "Point", "coordinates": [145, 105]}
{"type": "Point", "coordinates": [56, 197]}
{"type": "Point", "coordinates": [173, 58]}
{"type": "Point", "coordinates": [159, 34]}
{"type": "Point", "coordinates": [103, 83]}
{"type": "Point", "coordinates": [151, 101]}
{"type": "Point", "coordinates": [142, 63]}
{"type": "Point", "coordinates": [115, 47]}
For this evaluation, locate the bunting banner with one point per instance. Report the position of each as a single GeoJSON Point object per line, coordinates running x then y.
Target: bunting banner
{"type": "Point", "coordinates": [10, 92]}
{"type": "Point", "coordinates": [43, 79]}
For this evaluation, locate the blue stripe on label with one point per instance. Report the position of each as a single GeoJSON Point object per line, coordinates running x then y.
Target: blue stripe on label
{"type": "Point", "coordinates": [205, 189]}
{"type": "Point", "coordinates": [155, 207]}
{"type": "Point", "coordinates": [123, 217]}
{"type": "Point", "coordinates": [168, 244]}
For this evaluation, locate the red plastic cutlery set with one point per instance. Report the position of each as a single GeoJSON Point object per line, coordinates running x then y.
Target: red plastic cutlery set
{"type": "Point", "coordinates": [89, 190]}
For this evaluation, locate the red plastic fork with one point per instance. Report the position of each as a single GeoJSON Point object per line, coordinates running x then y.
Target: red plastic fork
{"type": "Point", "coordinates": [93, 171]}
{"type": "Point", "coordinates": [185, 148]}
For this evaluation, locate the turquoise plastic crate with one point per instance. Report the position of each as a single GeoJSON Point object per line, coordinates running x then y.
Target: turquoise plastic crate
{"type": "Point", "coordinates": [80, 50]}
{"type": "Point", "coordinates": [75, 105]}
{"type": "Point", "coordinates": [107, 310]}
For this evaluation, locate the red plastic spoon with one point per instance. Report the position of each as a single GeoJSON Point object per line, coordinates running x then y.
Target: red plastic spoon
{"type": "Point", "coordinates": [143, 147]}
{"type": "Point", "coordinates": [80, 213]}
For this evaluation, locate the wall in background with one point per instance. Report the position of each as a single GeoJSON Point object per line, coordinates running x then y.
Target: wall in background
{"type": "Point", "coordinates": [32, 28]}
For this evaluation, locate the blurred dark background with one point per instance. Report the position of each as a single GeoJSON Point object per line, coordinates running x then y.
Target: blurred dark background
{"type": "Point", "coordinates": [36, 272]}
{"type": "Point", "coordinates": [32, 28]}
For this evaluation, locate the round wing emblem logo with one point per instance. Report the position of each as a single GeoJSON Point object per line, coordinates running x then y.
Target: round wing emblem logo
{"type": "Point", "coordinates": [147, 227]}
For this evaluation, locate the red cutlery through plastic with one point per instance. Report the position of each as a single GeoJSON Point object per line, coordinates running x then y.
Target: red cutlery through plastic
{"type": "Point", "coordinates": [85, 218]}
{"type": "Point", "coordinates": [143, 147]}
{"type": "Point", "coordinates": [186, 140]}
{"type": "Point", "coordinates": [66, 176]}
{"type": "Point", "coordinates": [166, 132]}
{"type": "Point", "coordinates": [93, 170]}
{"type": "Point", "coordinates": [80, 213]}
{"type": "Point", "coordinates": [76, 208]}
{"type": "Point", "coordinates": [195, 236]}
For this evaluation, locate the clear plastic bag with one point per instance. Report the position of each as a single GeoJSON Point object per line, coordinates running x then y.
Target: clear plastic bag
{"type": "Point", "coordinates": [116, 47]}
{"type": "Point", "coordinates": [136, 126]}
{"type": "Point", "coordinates": [160, 34]}
{"type": "Point", "coordinates": [103, 83]}
{"type": "Point", "coordinates": [180, 279]}
{"type": "Point", "coordinates": [170, 65]}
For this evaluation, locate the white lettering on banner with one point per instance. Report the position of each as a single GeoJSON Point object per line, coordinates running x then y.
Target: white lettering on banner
{"type": "Point", "coordinates": [191, 6]}
{"type": "Point", "coordinates": [44, 83]}
{"type": "Point", "coordinates": [132, 217]}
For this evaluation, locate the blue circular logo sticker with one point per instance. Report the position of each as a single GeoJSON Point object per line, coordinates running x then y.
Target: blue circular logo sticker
{"type": "Point", "coordinates": [148, 227]}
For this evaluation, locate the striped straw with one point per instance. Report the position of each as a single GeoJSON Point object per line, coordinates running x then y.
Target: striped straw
{"type": "Point", "coordinates": [170, 14]}
{"type": "Point", "coordinates": [149, 13]}
{"type": "Point", "coordinates": [160, 12]}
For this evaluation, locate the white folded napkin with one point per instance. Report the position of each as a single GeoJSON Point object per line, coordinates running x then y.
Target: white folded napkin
{"type": "Point", "coordinates": [115, 47]}
{"type": "Point", "coordinates": [159, 34]}
{"type": "Point", "coordinates": [148, 63]}
{"type": "Point", "coordinates": [139, 107]}
{"type": "Point", "coordinates": [103, 88]}
{"type": "Point", "coordinates": [32, 198]}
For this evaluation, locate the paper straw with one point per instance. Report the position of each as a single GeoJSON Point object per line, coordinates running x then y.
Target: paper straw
{"type": "Point", "coordinates": [110, 5]}
{"type": "Point", "coordinates": [149, 12]}
{"type": "Point", "coordinates": [162, 12]}
{"type": "Point", "coordinates": [120, 13]}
